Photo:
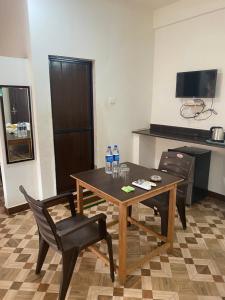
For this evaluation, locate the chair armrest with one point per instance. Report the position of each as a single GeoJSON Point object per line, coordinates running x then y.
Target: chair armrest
{"type": "Point", "coordinates": [99, 218]}
{"type": "Point", "coordinates": [54, 200]}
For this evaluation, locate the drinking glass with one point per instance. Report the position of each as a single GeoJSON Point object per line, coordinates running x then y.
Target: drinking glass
{"type": "Point", "coordinates": [124, 172]}
{"type": "Point", "coordinates": [115, 171]}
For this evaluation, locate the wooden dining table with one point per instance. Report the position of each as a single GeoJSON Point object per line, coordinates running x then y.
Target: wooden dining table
{"type": "Point", "coordinates": [109, 187]}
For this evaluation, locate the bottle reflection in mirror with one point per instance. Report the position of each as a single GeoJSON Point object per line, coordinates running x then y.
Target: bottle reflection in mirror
{"type": "Point", "coordinates": [21, 129]}
{"type": "Point", "coordinates": [24, 131]}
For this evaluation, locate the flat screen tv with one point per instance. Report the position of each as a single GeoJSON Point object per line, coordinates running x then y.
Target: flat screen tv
{"type": "Point", "coordinates": [196, 84]}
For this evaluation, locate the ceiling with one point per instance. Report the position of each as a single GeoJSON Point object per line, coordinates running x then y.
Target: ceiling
{"type": "Point", "coordinates": [160, 3]}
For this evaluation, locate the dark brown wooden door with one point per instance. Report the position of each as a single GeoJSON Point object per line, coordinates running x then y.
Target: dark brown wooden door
{"type": "Point", "coordinates": [72, 113]}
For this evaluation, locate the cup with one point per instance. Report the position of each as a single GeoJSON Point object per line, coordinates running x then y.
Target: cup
{"type": "Point", "coordinates": [115, 171]}
{"type": "Point", "coordinates": [124, 172]}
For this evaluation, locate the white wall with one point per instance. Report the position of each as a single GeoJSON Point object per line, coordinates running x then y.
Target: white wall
{"type": "Point", "coordinates": [189, 35]}
{"type": "Point", "coordinates": [195, 44]}
{"type": "Point", "coordinates": [118, 37]}
{"type": "Point", "coordinates": [14, 71]}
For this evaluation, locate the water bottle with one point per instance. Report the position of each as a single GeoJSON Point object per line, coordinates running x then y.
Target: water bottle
{"type": "Point", "coordinates": [24, 129]}
{"type": "Point", "coordinates": [116, 158]}
{"type": "Point", "coordinates": [108, 160]}
{"type": "Point", "coordinates": [19, 131]}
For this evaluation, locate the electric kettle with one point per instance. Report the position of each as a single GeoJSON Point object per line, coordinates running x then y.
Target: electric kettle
{"type": "Point", "coordinates": [217, 134]}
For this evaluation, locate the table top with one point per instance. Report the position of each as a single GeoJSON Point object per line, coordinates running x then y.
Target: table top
{"type": "Point", "coordinates": [13, 137]}
{"type": "Point", "coordinates": [112, 186]}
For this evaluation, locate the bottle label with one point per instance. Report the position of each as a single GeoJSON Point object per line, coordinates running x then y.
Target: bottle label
{"type": "Point", "coordinates": [109, 158]}
{"type": "Point", "coordinates": [116, 157]}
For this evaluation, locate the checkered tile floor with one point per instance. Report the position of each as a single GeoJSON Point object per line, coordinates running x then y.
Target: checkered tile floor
{"type": "Point", "coordinates": [195, 269]}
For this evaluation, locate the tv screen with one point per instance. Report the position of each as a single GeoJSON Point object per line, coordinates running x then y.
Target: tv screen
{"type": "Point", "coordinates": [196, 84]}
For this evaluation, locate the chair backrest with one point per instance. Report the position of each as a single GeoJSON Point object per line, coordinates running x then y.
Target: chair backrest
{"type": "Point", "coordinates": [44, 221]}
{"type": "Point", "coordinates": [181, 165]}
{"type": "Point", "coordinates": [176, 163]}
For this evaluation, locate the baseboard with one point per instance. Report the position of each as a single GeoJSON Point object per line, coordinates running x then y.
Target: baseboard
{"type": "Point", "coordinates": [16, 209]}
{"type": "Point", "coordinates": [25, 206]}
{"type": "Point", "coordinates": [216, 195]}
{"type": "Point", "coordinates": [90, 199]}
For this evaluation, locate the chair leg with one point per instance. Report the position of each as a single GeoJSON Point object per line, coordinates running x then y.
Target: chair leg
{"type": "Point", "coordinates": [164, 222]}
{"type": "Point", "coordinates": [109, 244]}
{"type": "Point", "coordinates": [182, 213]}
{"type": "Point", "coordinates": [69, 259]}
{"type": "Point", "coordinates": [129, 214]}
{"type": "Point", "coordinates": [43, 250]}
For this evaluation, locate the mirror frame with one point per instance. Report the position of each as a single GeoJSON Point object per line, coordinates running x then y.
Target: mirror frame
{"type": "Point", "coordinates": [4, 125]}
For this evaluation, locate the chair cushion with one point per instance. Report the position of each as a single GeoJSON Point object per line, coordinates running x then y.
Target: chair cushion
{"type": "Point", "coordinates": [80, 238]}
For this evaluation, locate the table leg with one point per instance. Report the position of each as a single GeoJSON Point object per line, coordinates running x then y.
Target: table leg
{"type": "Point", "coordinates": [171, 216]}
{"type": "Point", "coordinates": [79, 198]}
{"type": "Point", "coordinates": [122, 243]}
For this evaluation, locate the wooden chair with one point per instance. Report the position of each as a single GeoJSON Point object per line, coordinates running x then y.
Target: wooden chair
{"type": "Point", "coordinates": [68, 236]}
{"type": "Point", "coordinates": [180, 165]}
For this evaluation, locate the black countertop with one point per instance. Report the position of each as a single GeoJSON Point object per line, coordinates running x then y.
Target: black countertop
{"type": "Point", "coordinates": [189, 135]}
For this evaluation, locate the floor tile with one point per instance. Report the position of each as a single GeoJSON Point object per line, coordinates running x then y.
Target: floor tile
{"type": "Point", "coordinates": [195, 270]}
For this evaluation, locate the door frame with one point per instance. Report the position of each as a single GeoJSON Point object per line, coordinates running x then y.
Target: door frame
{"type": "Point", "coordinates": [76, 60]}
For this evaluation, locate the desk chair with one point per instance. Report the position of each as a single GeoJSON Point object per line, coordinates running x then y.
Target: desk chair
{"type": "Point", "coordinates": [68, 236]}
{"type": "Point", "coordinates": [180, 165]}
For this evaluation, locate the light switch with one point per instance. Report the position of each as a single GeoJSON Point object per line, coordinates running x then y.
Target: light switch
{"type": "Point", "coordinates": [112, 100]}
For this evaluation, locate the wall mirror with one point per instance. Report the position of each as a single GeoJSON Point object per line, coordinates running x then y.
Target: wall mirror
{"type": "Point", "coordinates": [17, 123]}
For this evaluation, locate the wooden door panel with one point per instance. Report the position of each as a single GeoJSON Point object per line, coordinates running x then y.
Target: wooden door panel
{"type": "Point", "coordinates": [72, 113]}
{"type": "Point", "coordinates": [56, 91]}
{"type": "Point", "coordinates": [81, 74]}
{"type": "Point", "coordinates": [73, 153]}
{"type": "Point", "coordinates": [71, 96]}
